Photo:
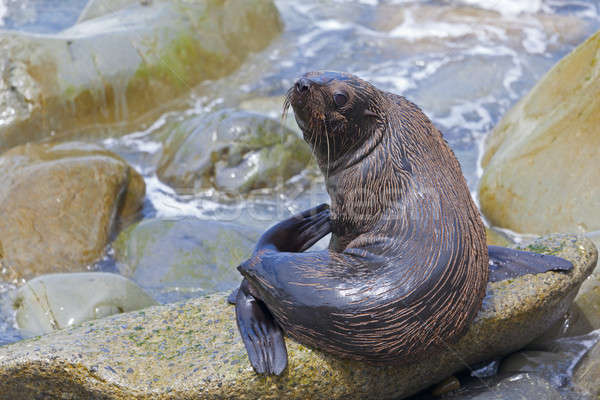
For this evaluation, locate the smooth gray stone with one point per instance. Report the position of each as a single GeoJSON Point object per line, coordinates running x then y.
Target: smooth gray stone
{"type": "Point", "coordinates": [57, 301]}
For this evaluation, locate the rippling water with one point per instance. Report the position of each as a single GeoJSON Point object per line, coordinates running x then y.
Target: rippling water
{"type": "Point", "coordinates": [464, 62]}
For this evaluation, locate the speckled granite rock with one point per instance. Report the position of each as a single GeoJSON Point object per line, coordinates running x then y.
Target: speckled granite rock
{"type": "Point", "coordinates": [193, 350]}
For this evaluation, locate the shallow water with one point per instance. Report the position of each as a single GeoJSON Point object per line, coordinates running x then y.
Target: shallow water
{"type": "Point", "coordinates": [464, 65]}
{"type": "Point", "coordinates": [464, 62]}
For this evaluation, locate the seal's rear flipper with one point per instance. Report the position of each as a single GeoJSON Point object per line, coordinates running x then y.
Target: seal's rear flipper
{"type": "Point", "coordinates": [509, 263]}
{"type": "Point", "coordinates": [260, 333]}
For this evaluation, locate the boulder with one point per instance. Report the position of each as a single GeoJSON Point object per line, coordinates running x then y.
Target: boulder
{"type": "Point", "coordinates": [119, 67]}
{"type": "Point", "coordinates": [177, 258]}
{"type": "Point", "coordinates": [232, 151]}
{"type": "Point", "coordinates": [540, 162]}
{"type": "Point", "coordinates": [582, 317]}
{"type": "Point", "coordinates": [60, 204]}
{"type": "Point", "coordinates": [52, 302]}
{"type": "Point", "coordinates": [193, 350]}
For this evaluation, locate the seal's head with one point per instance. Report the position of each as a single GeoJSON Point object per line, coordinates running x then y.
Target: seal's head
{"type": "Point", "coordinates": [336, 112]}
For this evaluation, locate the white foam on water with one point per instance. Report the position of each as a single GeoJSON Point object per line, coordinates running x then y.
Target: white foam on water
{"type": "Point", "coordinates": [166, 202]}
{"type": "Point", "coordinates": [429, 68]}
{"type": "Point", "coordinates": [507, 7]}
{"type": "Point", "coordinates": [535, 40]}
{"type": "Point", "coordinates": [135, 140]}
{"type": "Point", "coordinates": [412, 30]}
{"type": "Point", "coordinates": [365, 2]}
{"type": "Point", "coordinates": [458, 113]}
{"type": "Point", "coordinates": [395, 83]}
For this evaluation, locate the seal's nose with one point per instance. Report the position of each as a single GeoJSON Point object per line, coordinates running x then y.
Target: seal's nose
{"type": "Point", "coordinates": [302, 85]}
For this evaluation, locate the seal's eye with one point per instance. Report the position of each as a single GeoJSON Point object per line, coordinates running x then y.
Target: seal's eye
{"type": "Point", "coordinates": [340, 98]}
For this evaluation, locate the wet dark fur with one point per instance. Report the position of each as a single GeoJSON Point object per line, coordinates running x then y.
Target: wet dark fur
{"type": "Point", "coordinates": [407, 265]}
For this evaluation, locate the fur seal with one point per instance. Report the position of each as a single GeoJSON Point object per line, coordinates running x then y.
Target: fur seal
{"type": "Point", "coordinates": [407, 265]}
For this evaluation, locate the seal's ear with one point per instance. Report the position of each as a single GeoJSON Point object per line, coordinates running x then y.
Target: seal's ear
{"type": "Point", "coordinates": [369, 113]}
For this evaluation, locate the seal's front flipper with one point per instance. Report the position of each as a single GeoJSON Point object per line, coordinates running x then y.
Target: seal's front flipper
{"type": "Point", "coordinates": [509, 263]}
{"type": "Point", "coordinates": [260, 333]}
{"type": "Point", "coordinates": [297, 233]}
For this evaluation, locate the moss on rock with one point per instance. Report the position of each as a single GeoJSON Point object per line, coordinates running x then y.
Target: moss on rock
{"type": "Point", "coordinates": [232, 151]}
{"type": "Point", "coordinates": [177, 258]}
{"type": "Point", "coordinates": [122, 67]}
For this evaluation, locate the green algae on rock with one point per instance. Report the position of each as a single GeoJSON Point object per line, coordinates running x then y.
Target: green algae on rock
{"type": "Point", "coordinates": [56, 301]}
{"type": "Point", "coordinates": [497, 238]}
{"type": "Point", "coordinates": [60, 204]}
{"type": "Point", "coordinates": [193, 350]}
{"type": "Point", "coordinates": [232, 151]}
{"type": "Point", "coordinates": [540, 164]}
{"type": "Point", "coordinates": [118, 67]}
{"type": "Point", "coordinates": [177, 258]}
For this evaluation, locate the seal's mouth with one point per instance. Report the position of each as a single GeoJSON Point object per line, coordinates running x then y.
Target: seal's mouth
{"type": "Point", "coordinates": [298, 103]}
{"type": "Point", "coordinates": [308, 110]}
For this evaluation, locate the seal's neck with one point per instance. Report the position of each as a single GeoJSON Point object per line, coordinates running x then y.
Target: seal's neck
{"type": "Point", "coordinates": [342, 154]}
{"type": "Point", "coordinates": [355, 191]}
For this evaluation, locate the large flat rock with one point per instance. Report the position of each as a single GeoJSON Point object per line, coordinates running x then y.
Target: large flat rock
{"type": "Point", "coordinates": [192, 349]}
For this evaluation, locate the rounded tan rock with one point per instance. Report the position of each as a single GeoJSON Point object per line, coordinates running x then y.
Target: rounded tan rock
{"type": "Point", "coordinates": [60, 204]}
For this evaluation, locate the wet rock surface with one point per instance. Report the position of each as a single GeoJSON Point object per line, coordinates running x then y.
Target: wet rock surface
{"type": "Point", "coordinates": [518, 387]}
{"type": "Point", "coordinates": [465, 63]}
{"type": "Point", "coordinates": [97, 73]}
{"type": "Point", "coordinates": [60, 204]}
{"type": "Point", "coordinates": [178, 258]}
{"type": "Point", "coordinates": [192, 349]}
{"type": "Point", "coordinates": [540, 165]}
{"type": "Point", "coordinates": [232, 151]}
{"type": "Point", "coordinates": [553, 360]}
{"type": "Point", "coordinates": [495, 237]}
{"type": "Point", "coordinates": [587, 374]}
{"type": "Point", "coordinates": [57, 301]}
